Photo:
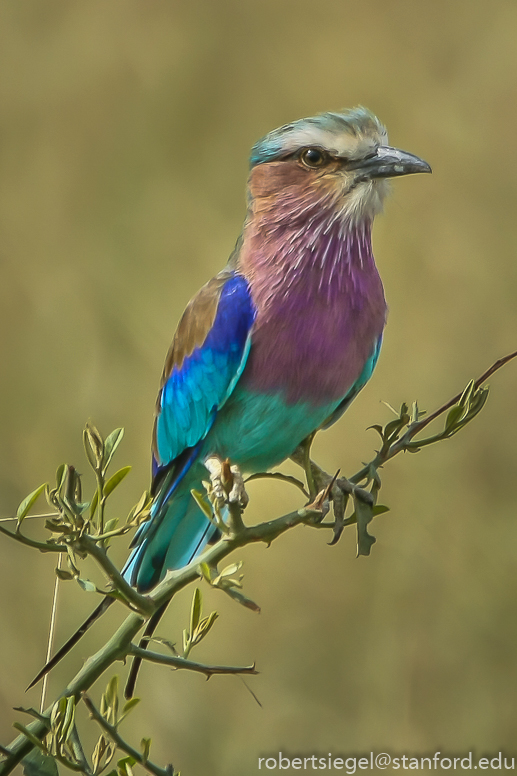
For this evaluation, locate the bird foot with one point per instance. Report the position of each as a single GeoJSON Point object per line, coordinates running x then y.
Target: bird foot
{"type": "Point", "coordinates": [338, 490]}
{"type": "Point", "coordinates": [227, 482]}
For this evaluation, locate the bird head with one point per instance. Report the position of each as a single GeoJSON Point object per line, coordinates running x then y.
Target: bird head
{"type": "Point", "coordinates": [337, 160]}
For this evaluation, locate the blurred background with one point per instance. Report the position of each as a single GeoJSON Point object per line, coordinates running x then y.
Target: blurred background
{"type": "Point", "coordinates": [125, 131]}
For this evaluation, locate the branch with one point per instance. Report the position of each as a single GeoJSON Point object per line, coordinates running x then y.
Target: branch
{"type": "Point", "coordinates": [416, 427]}
{"type": "Point", "coordinates": [115, 736]}
{"type": "Point", "coordinates": [180, 662]}
{"type": "Point", "coordinates": [41, 546]}
{"type": "Point", "coordinates": [141, 603]}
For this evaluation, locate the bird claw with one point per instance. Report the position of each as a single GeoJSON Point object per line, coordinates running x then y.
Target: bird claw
{"type": "Point", "coordinates": [227, 482]}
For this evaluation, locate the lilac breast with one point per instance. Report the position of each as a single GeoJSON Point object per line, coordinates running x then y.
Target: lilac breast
{"type": "Point", "coordinates": [320, 310]}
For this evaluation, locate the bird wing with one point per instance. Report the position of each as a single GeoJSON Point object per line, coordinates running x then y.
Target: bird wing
{"type": "Point", "coordinates": [204, 363]}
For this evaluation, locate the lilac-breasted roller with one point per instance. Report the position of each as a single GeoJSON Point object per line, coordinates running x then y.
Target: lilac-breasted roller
{"type": "Point", "coordinates": [279, 343]}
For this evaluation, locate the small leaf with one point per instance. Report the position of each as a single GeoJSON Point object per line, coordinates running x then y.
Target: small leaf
{"type": "Point", "coordinates": [206, 572]}
{"type": "Point", "coordinates": [115, 480]}
{"type": "Point", "coordinates": [392, 429]}
{"type": "Point", "coordinates": [203, 504]}
{"type": "Point", "coordinates": [141, 506]}
{"type": "Point", "coordinates": [64, 575]}
{"type": "Point", "coordinates": [110, 445]}
{"type": "Point", "coordinates": [145, 746]}
{"type": "Point", "coordinates": [94, 503]}
{"type": "Point", "coordinates": [364, 515]}
{"type": "Point", "coordinates": [380, 509]}
{"type": "Point", "coordinates": [242, 599]}
{"type": "Point", "coordinates": [32, 738]}
{"type": "Point", "coordinates": [390, 407]}
{"type": "Point", "coordinates": [195, 612]}
{"type": "Point", "coordinates": [94, 446]}
{"type": "Point", "coordinates": [130, 704]}
{"type": "Point", "coordinates": [86, 585]}
{"type": "Point", "coordinates": [205, 626]}
{"type": "Point", "coordinates": [453, 416]}
{"type": "Point", "coordinates": [233, 568]}
{"type": "Point", "coordinates": [124, 766]}
{"type": "Point", "coordinates": [61, 474]}
{"type": "Point", "coordinates": [38, 764]}
{"type": "Point", "coordinates": [166, 643]}
{"type": "Point", "coordinates": [29, 502]}
{"type": "Point", "coordinates": [378, 429]}
{"type": "Point", "coordinates": [466, 396]}
{"type": "Point", "coordinates": [98, 753]}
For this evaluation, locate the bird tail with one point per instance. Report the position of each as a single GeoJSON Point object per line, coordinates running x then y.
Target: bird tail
{"type": "Point", "coordinates": [72, 641]}
{"type": "Point", "coordinates": [176, 532]}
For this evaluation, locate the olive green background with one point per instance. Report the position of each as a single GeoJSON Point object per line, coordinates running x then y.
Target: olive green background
{"type": "Point", "coordinates": [125, 128]}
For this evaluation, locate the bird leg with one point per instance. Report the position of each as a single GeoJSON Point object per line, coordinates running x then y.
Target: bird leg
{"type": "Point", "coordinates": [331, 488]}
{"type": "Point", "coordinates": [226, 482]}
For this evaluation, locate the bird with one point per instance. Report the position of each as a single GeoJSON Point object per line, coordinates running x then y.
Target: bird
{"type": "Point", "coordinates": [277, 344]}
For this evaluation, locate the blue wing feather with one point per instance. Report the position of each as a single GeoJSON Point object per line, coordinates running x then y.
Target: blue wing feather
{"type": "Point", "coordinates": [189, 400]}
{"type": "Point", "coordinates": [200, 386]}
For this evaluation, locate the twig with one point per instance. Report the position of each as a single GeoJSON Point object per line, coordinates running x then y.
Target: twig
{"type": "Point", "coordinates": [141, 603]}
{"type": "Point", "coordinates": [115, 736]}
{"type": "Point", "coordinates": [180, 662]}
{"type": "Point", "coordinates": [28, 517]}
{"type": "Point", "coordinates": [416, 428]}
{"type": "Point", "coordinates": [279, 476]}
{"type": "Point", "coordinates": [42, 546]}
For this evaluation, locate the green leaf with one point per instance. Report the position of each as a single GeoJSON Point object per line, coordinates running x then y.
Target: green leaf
{"type": "Point", "coordinates": [145, 746]}
{"type": "Point", "coordinates": [32, 738]}
{"type": "Point", "coordinates": [94, 446]}
{"type": "Point", "coordinates": [86, 585]}
{"type": "Point", "coordinates": [61, 474]}
{"type": "Point", "coordinates": [124, 766]}
{"type": "Point", "coordinates": [67, 725]}
{"type": "Point", "coordinates": [380, 509]}
{"type": "Point", "coordinates": [64, 575]}
{"type": "Point", "coordinates": [453, 416]}
{"type": "Point", "coordinates": [206, 572]}
{"type": "Point", "coordinates": [203, 504]}
{"type": "Point", "coordinates": [142, 506]}
{"type": "Point", "coordinates": [242, 599]}
{"type": "Point", "coordinates": [195, 612]}
{"type": "Point", "coordinates": [466, 396]}
{"type": "Point", "coordinates": [130, 704]}
{"type": "Point", "coordinates": [115, 480]}
{"type": "Point", "coordinates": [364, 515]}
{"type": "Point", "coordinates": [38, 764]}
{"type": "Point", "coordinates": [205, 626]}
{"type": "Point", "coordinates": [94, 504]}
{"type": "Point", "coordinates": [112, 697]}
{"type": "Point", "coordinates": [29, 502]}
{"type": "Point", "coordinates": [110, 445]}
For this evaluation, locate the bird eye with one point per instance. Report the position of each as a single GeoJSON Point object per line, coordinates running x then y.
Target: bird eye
{"type": "Point", "coordinates": [313, 157]}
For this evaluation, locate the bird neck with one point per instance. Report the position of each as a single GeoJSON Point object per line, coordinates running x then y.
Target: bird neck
{"type": "Point", "coordinates": [316, 247]}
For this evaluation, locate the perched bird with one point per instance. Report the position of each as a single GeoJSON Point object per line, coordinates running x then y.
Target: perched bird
{"type": "Point", "coordinates": [280, 342]}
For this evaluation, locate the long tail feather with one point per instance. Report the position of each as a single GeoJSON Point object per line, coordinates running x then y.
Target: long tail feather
{"type": "Point", "coordinates": [72, 641]}
{"type": "Point", "coordinates": [129, 689]}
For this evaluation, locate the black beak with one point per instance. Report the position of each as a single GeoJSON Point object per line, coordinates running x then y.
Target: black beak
{"type": "Point", "coordinates": [388, 162]}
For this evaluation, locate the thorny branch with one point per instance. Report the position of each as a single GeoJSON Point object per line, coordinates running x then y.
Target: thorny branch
{"type": "Point", "coordinates": [83, 530]}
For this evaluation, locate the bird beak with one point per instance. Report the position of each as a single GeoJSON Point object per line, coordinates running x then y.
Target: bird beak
{"type": "Point", "coordinates": [388, 162]}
